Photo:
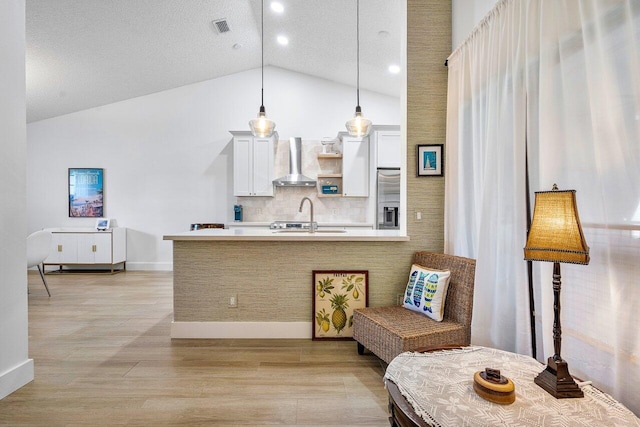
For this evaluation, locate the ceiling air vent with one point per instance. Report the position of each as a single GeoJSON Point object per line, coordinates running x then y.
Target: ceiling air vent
{"type": "Point", "coordinates": [221, 25]}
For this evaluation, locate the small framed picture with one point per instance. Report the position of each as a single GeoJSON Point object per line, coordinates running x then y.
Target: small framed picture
{"type": "Point", "coordinates": [429, 160]}
{"type": "Point", "coordinates": [336, 293]}
{"type": "Point", "coordinates": [103, 224]}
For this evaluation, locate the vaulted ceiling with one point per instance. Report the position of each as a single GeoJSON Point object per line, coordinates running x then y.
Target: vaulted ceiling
{"type": "Point", "coordinates": [86, 53]}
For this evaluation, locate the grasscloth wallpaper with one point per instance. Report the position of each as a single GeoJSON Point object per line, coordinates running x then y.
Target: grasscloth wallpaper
{"type": "Point", "coordinates": [284, 293]}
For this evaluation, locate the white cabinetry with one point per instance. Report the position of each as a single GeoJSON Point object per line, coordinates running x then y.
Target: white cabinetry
{"type": "Point", "coordinates": [355, 166]}
{"type": "Point", "coordinates": [94, 248]}
{"type": "Point", "coordinates": [253, 163]}
{"type": "Point", "coordinates": [388, 147]}
{"type": "Point", "coordinates": [88, 247]}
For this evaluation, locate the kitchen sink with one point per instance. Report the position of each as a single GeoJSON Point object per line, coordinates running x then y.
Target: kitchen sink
{"type": "Point", "coordinates": [290, 230]}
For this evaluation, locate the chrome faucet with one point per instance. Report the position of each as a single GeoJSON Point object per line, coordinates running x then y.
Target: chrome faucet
{"type": "Point", "coordinates": [311, 225]}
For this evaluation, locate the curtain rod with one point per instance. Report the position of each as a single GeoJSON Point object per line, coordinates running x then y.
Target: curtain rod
{"type": "Point", "coordinates": [488, 17]}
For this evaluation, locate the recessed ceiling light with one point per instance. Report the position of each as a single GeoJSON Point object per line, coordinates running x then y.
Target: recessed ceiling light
{"type": "Point", "coordinates": [394, 69]}
{"type": "Point", "coordinates": [277, 7]}
{"type": "Point", "coordinates": [283, 40]}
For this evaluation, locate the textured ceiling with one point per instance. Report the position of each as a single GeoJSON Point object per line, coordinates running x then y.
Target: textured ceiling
{"type": "Point", "coordinates": [86, 53]}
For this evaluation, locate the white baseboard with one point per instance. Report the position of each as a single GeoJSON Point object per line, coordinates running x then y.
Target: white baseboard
{"type": "Point", "coordinates": [241, 329]}
{"type": "Point", "coordinates": [15, 378]}
{"type": "Point", "coordinates": [149, 266]}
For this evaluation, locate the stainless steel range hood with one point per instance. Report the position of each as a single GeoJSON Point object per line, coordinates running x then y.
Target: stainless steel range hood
{"type": "Point", "coordinates": [295, 177]}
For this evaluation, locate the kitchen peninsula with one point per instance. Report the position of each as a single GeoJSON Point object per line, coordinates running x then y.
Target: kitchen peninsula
{"type": "Point", "coordinates": [257, 282]}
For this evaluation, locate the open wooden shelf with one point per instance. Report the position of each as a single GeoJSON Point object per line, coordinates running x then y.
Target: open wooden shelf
{"type": "Point", "coordinates": [330, 178]}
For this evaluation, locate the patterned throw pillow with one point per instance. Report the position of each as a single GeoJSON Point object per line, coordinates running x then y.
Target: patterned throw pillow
{"type": "Point", "coordinates": [426, 291]}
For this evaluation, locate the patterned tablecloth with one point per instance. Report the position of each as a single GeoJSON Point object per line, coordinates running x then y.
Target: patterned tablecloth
{"type": "Point", "coordinates": [439, 386]}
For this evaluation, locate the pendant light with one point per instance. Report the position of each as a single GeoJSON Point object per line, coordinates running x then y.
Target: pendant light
{"type": "Point", "coordinates": [358, 126]}
{"type": "Point", "coordinates": [261, 126]}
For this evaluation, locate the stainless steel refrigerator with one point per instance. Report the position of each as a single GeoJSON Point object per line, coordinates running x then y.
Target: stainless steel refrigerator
{"type": "Point", "coordinates": [388, 199]}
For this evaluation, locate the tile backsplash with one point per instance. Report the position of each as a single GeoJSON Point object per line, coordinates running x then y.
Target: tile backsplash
{"type": "Point", "coordinates": [284, 205]}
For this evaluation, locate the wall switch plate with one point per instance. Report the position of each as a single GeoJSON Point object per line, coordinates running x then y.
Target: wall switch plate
{"type": "Point", "coordinates": [233, 301]}
{"type": "Point", "coordinates": [419, 216]}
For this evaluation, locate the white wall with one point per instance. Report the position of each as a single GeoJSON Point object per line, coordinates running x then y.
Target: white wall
{"type": "Point", "coordinates": [167, 156]}
{"type": "Point", "coordinates": [16, 369]}
{"type": "Point", "coordinates": [466, 14]}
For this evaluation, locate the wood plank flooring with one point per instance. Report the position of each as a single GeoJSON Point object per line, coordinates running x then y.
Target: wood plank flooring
{"type": "Point", "coordinates": [103, 356]}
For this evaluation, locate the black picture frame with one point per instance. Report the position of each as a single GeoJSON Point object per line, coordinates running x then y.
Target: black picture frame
{"type": "Point", "coordinates": [430, 160]}
{"type": "Point", "coordinates": [86, 192]}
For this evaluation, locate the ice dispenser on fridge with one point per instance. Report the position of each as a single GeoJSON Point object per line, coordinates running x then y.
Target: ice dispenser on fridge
{"type": "Point", "coordinates": [388, 199]}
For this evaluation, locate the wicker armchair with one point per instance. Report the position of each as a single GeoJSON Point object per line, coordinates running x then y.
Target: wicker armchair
{"type": "Point", "coordinates": [389, 331]}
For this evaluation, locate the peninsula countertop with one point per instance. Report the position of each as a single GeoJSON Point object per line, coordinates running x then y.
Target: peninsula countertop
{"type": "Point", "coordinates": [331, 234]}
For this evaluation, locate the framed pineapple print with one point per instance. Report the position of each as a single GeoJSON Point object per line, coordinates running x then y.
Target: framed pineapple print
{"type": "Point", "coordinates": [336, 293]}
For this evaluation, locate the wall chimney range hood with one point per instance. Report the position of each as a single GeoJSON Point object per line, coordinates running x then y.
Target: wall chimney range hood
{"type": "Point", "coordinates": [295, 177]}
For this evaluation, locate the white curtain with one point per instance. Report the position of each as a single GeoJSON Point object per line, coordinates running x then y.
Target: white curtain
{"type": "Point", "coordinates": [569, 73]}
{"type": "Point", "coordinates": [485, 213]}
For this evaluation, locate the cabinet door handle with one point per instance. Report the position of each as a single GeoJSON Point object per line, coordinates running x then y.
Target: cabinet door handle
{"type": "Point", "coordinates": [59, 248]}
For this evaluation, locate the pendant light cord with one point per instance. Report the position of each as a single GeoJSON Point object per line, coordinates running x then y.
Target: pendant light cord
{"type": "Point", "coordinates": [262, 54]}
{"type": "Point", "coordinates": [358, 52]}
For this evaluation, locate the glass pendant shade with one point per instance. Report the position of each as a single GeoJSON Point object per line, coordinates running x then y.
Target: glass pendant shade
{"type": "Point", "coordinates": [262, 127]}
{"type": "Point", "coordinates": [358, 126]}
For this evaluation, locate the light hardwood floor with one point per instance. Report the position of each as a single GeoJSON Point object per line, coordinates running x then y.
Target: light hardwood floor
{"type": "Point", "coordinates": [103, 356]}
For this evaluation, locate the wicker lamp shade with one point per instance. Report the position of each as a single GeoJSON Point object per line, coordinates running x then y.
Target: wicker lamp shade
{"type": "Point", "coordinates": [556, 234]}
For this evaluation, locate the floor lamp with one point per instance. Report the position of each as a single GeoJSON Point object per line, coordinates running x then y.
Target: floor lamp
{"type": "Point", "coordinates": [556, 236]}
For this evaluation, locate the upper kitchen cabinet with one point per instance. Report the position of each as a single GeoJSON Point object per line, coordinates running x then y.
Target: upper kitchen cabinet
{"type": "Point", "coordinates": [253, 164]}
{"type": "Point", "coordinates": [355, 166]}
{"type": "Point", "coordinates": [387, 146]}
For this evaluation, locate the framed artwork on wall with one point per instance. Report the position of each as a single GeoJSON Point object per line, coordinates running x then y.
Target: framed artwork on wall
{"type": "Point", "coordinates": [429, 160]}
{"type": "Point", "coordinates": [336, 293]}
{"type": "Point", "coordinates": [86, 192]}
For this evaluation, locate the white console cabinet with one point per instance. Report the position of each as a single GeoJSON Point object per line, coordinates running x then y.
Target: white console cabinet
{"type": "Point", "coordinates": [88, 247]}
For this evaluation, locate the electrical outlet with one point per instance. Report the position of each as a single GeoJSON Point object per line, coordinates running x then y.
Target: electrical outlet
{"type": "Point", "coordinates": [259, 211]}
{"type": "Point", "coordinates": [335, 212]}
{"type": "Point", "coordinates": [399, 299]}
{"type": "Point", "coordinates": [233, 301]}
{"type": "Point", "coordinates": [419, 216]}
